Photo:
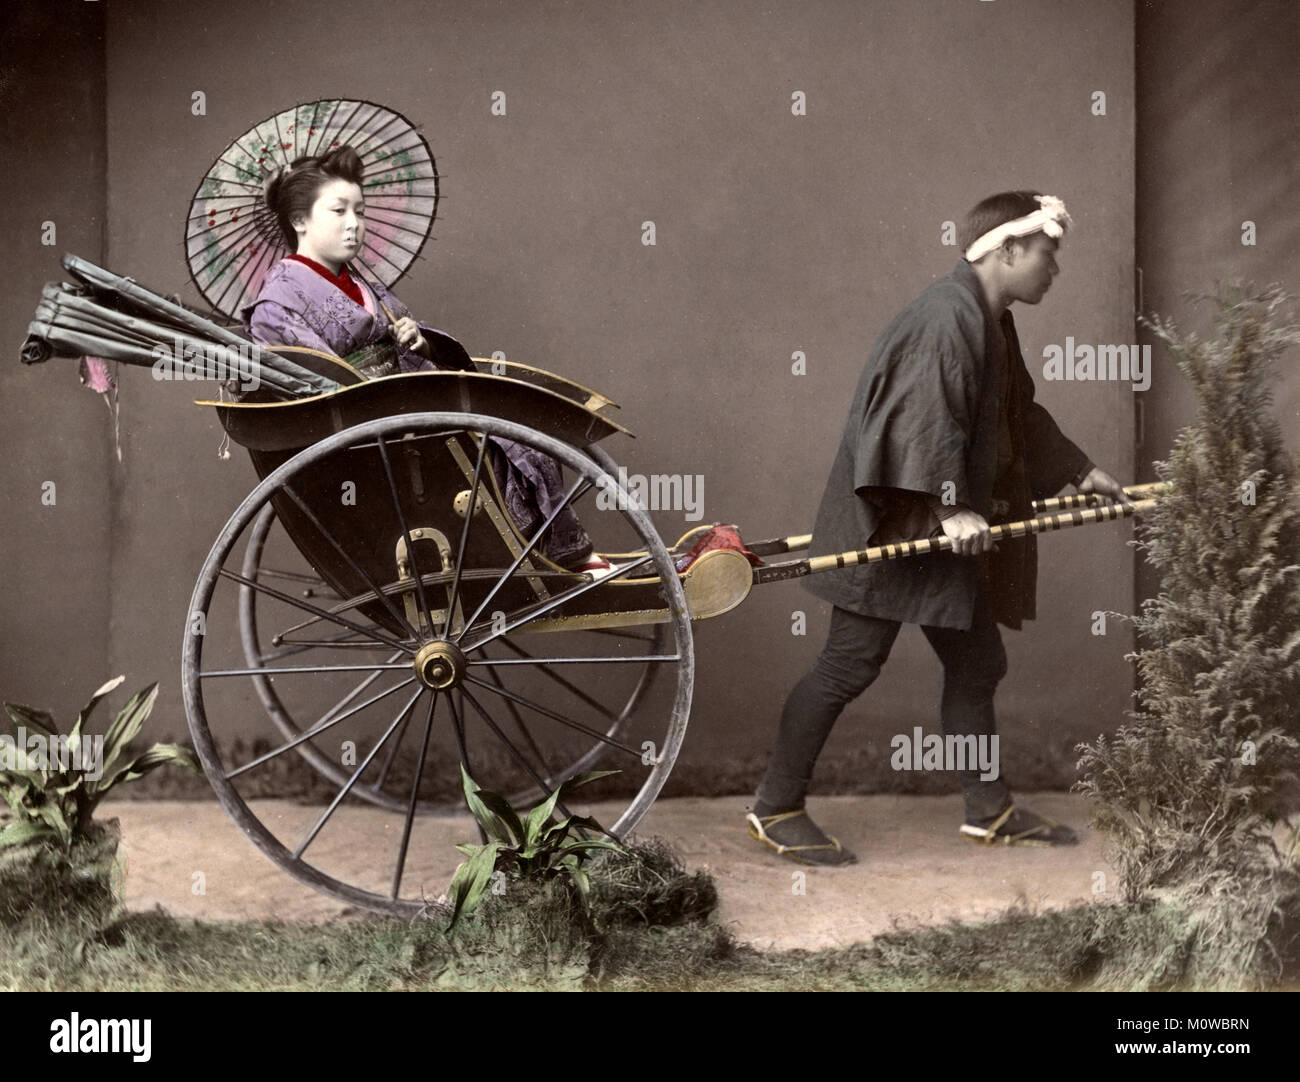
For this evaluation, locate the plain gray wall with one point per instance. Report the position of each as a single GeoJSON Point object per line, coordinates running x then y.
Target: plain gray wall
{"type": "Point", "coordinates": [775, 233]}
{"type": "Point", "coordinates": [56, 559]}
{"type": "Point", "coordinates": [1218, 139]}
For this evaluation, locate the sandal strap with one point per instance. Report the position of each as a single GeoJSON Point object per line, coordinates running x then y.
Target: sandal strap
{"type": "Point", "coordinates": [779, 817]}
{"type": "Point", "coordinates": [770, 820]}
{"type": "Point", "coordinates": [997, 823]}
{"type": "Point", "coordinates": [990, 835]}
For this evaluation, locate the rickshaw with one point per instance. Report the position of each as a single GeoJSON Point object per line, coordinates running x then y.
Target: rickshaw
{"type": "Point", "coordinates": [372, 608]}
{"type": "Point", "coordinates": [420, 616]}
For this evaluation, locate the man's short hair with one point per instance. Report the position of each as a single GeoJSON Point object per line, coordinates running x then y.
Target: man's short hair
{"type": "Point", "coordinates": [992, 212]}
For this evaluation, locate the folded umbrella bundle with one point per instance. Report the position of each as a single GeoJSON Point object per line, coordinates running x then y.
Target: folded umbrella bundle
{"type": "Point", "coordinates": [109, 316]}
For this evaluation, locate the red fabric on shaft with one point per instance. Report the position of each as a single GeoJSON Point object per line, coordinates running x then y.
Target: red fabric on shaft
{"type": "Point", "coordinates": [718, 536]}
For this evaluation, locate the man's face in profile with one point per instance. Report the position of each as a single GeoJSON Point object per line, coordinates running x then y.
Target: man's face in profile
{"type": "Point", "coordinates": [1032, 267]}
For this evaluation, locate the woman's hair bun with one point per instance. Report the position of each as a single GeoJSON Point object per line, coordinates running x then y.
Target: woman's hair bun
{"type": "Point", "coordinates": [343, 162]}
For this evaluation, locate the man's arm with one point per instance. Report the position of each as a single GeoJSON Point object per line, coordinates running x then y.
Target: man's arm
{"type": "Point", "coordinates": [1051, 460]}
{"type": "Point", "coordinates": [1049, 454]}
{"type": "Point", "coordinates": [915, 433]}
{"type": "Point", "coordinates": [919, 411]}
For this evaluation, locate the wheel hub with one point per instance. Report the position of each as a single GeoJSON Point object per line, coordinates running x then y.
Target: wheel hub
{"type": "Point", "coordinates": [440, 665]}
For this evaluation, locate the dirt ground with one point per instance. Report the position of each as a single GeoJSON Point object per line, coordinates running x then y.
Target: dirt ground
{"type": "Point", "coordinates": [191, 859]}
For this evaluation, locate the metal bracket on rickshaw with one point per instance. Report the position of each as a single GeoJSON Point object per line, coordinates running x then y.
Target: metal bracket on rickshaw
{"type": "Point", "coordinates": [406, 580]}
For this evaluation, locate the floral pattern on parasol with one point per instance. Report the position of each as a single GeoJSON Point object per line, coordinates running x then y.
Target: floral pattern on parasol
{"type": "Point", "coordinates": [231, 237]}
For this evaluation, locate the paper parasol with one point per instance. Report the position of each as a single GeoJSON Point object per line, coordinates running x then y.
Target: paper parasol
{"type": "Point", "coordinates": [231, 237]}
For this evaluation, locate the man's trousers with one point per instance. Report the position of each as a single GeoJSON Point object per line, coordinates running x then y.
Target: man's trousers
{"type": "Point", "coordinates": [974, 661]}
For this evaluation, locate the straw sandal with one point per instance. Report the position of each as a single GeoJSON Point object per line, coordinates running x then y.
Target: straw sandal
{"type": "Point", "coordinates": [837, 854]}
{"type": "Point", "coordinates": [1019, 826]}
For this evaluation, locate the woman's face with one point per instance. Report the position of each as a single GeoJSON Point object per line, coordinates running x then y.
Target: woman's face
{"type": "Point", "coordinates": [333, 232]}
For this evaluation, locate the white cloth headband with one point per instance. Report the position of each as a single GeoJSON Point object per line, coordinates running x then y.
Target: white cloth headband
{"type": "Point", "coordinates": [1051, 218]}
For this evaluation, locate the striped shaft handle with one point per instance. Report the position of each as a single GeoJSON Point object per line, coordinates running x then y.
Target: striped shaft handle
{"type": "Point", "coordinates": [1152, 490]}
{"type": "Point", "coordinates": [1061, 521]}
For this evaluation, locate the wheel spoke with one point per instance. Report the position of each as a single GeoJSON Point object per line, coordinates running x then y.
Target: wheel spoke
{"type": "Point", "coordinates": [532, 613]}
{"type": "Point", "coordinates": [406, 534]}
{"type": "Point", "coordinates": [342, 642]}
{"type": "Point", "coordinates": [298, 646]}
{"type": "Point", "coordinates": [372, 634]}
{"type": "Point", "coordinates": [431, 579]}
{"type": "Point", "coordinates": [338, 799]}
{"type": "Point", "coordinates": [575, 660]}
{"type": "Point", "coordinates": [593, 733]}
{"type": "Point", "coordinates": [464, 533]}
{"type": "Point", "coordinates": [458, 725]}
{"type": "Point", "coordinates": [621, 633]}
{"type": "Point", "coordinates": [302, 668]}
{"type": "Point", "coordinates": [295, 576]}
{"type": "Point", "coordinates": [316, 730]}
{"type": "Point", "coordinates": [519, 724]}
{"type": "Point", "coordinates": [415, 795]}
{"type": "Point", "coordinates": [590, 700]}
{"type": "Point", "coordinates": [378, 784]}
{"type": "Point", "coordinates": [350, 696]}
{"type": "Point", "coordinates": [580, 488]}
{"type": "Point", "coordinates": [370, 584]}
{"type": "Point", "coordinates": [545, 784]}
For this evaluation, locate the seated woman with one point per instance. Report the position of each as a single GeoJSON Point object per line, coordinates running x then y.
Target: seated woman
{"type": "Point", "coordinates": [311, 299]}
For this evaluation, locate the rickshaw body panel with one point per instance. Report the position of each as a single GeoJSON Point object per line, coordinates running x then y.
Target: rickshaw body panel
{"type": "Point", "coordinates": [352, 501]}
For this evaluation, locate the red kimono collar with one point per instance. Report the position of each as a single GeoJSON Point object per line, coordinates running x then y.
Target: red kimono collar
{"type": "Point", "coordinates": [342, 280]}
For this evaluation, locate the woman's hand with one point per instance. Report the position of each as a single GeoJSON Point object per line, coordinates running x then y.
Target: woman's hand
{"type": "Point", "coordinates": [407, 333]}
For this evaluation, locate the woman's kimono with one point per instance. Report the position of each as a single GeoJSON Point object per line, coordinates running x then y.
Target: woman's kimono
{"type": "Point", "coordinates": [299, 306]}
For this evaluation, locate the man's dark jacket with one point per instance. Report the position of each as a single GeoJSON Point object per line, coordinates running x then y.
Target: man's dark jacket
{"type": "Point", "coordinates": [926, 412]}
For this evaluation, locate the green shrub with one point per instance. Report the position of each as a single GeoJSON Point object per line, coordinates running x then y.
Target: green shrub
{"type": "Point", "coordinates": [1191, 792]}
{"type": "Point", "coordinates": [51, 799]}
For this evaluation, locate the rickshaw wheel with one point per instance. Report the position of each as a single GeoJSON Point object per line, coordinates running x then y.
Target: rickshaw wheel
{"type": "Point", "coordinates": [311, 584]}
{"type": "Point", "coordinates": [428, 664]}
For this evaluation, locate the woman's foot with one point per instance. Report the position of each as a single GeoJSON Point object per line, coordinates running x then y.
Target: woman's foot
{"type": "Point", "coordinates": [592, 564]}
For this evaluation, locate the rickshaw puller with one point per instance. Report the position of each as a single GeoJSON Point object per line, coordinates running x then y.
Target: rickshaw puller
{"type": "Point", "coordinates": [942, 433]}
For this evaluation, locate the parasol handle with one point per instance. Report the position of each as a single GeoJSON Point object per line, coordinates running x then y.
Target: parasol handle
{"type": "Point", "coordinates": [392, 320]}
{"type": "Point", "coordinates": [1062, 521]}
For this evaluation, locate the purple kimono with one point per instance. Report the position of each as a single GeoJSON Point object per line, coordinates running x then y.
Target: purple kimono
{"type": "Point", "coordinates": [299, 307]}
